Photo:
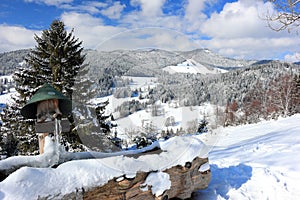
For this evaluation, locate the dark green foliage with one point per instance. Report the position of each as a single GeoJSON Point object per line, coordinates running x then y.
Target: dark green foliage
{"type": "Point", "coordinates": [102, 117]}
{"type": "Point", "coordinates": [202, 128]}
{"type": "Point", "coordinates": [143, 141]}
{"type": "Point", "coordinates": [56, 59]}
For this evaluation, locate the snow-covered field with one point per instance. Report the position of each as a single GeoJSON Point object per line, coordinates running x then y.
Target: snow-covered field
{"type": "Point", "coordinates": [258, 161]}
{"type": "Point", "coordinates": [192, 67]}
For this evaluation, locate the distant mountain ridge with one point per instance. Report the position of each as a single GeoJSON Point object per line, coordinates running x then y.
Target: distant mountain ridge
{"type": "Point", "coordinates": [134, 61]}
{"type": "Point", "coordinates": [208, 58]}
{"type": "Point", "coordinates": [142, 62]}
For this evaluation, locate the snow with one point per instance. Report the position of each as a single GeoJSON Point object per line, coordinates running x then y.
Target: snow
{"type": "Point", "coordinates": [31, 183]}
{"type": "Point", "coordinates": [141, 82]}
{"type": "Point", "coordinates": [193, 67]}
{"type": "Point", "coordinates": [257, 161]}
{"type": "Point", "coordinates": [204, 167]}
{"type": "Point", "coordinates": [7, 98]}
{"type": "Point", "coordinates": [159, 182]}
{"type": "Point", "coordinates": [182, 116]}
{"type": "Point", "coordinates": [9, 78]}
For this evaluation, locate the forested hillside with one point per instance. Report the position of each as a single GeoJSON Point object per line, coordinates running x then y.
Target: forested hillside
{"type": "Point", "coordinates": [9, 61]}
{"type": "Point", "coordinates": [143, 62]}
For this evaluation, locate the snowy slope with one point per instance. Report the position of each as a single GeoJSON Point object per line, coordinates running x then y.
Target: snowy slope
{"type": "Point", "coordinates": [259, 161]}
{"type": "Point", "coordinates": [193, 67]}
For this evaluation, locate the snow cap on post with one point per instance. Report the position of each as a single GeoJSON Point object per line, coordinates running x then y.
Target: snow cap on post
{"type": "Point", "coordinates": [46, 92]}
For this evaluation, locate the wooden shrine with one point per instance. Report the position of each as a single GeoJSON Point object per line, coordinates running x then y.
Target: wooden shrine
{"type": "Point", "coordinates": [48, 106]}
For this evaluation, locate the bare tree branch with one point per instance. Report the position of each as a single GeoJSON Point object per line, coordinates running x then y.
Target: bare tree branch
{"type": "Point", "coordinates": [287, 15]}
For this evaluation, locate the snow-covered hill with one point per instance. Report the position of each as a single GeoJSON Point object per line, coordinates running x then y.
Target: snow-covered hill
{"type": "Point", "coordinates": [136, 62]}
{"type": "Point", "coordinates": [193, 67]}
{"type": "Point", "coordinates": [258, 161]}
{"type": "Point", "coordinates": [209, 58]}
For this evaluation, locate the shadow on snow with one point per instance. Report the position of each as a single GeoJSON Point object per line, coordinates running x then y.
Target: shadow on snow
{"type": "Point", "coordinates": [224, 179]}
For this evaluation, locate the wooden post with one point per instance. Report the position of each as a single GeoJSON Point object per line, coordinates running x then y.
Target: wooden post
{"type": "Point", "coordinates": [41, 137]}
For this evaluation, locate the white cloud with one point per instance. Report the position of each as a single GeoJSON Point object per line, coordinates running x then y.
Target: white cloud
{"type": "Point", "coordinates": [95, 34]}
{"type": "Point", "coordinates": [150, 8]}
{"type": "Point", "coordinates": [91, 7]}
{"type": "Point", "coordinates": [252, 48]}
{"type": "Point", "coordinates": [238, 19]}
{"type": "Point", "coordinates": [14, 38]}
{"type": "Point", "coordinates": [142, 38]}
{"type": "Point", "coordinates": [236, 31]}
{"type": "Point", "coordinates": [194, 15]}
{"type": "Point", "coordinates": [74, 19]}
{"type": "Point", "coordinates": [194, 9]}
{"type": "Point", "coordinates": [90, 30]}
{"type": "Point", "coordinates": [292, 57]}
{"type": "Point", "coordinates": [114, 11]}
{"type": "Point", "coordinates": [239, 31]}
{"type": "Point", "coordinates": [50, 2]}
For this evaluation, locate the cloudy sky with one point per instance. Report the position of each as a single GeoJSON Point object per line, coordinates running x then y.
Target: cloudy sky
{"type": "Point", "coordinates": [231, 28]}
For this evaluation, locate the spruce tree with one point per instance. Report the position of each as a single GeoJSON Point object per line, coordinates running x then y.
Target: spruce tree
{"type": "Point", "coordinates": [56, 59]}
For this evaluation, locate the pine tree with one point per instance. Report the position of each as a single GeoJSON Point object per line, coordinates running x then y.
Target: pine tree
{"type": "Point", "coordinates": [102, 117]}
{"type": "Point", "coordinates": [56, 59]}
{"type": "Point", "coordinates": [202, 128]}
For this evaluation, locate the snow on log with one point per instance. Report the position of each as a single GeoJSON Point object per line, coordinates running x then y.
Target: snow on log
{"type": "Point", "coordinates": [178, 181]}
{"type": "Point", "coordinates": [179, 168]}
{"type": "Point", "coordinates": [54, 154]}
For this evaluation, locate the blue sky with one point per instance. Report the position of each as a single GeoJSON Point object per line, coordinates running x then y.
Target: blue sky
{"type": "Point", "coordinates": [232, 28]}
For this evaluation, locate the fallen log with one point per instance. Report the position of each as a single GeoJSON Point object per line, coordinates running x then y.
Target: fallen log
{"type": "Point", "coordinates": [184, 181]}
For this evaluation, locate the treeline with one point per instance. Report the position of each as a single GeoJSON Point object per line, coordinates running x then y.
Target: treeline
{"type": "Point", "coordinates": [281, 97]}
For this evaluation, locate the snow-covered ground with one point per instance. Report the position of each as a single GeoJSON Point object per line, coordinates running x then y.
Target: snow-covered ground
{"type": "Point", "coordinates": [7, 98]}
{"type": "Point", "coordinates": [258, 161]}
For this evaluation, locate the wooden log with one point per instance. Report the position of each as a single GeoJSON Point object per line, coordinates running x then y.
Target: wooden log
{"type": "Point", "coordinates": [184, 181]}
